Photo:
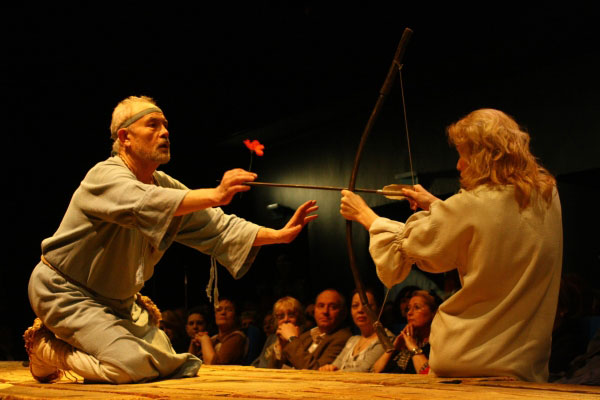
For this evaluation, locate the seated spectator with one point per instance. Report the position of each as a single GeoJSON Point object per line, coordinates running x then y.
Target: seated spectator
{"type": "Point", "coordinates": [286, 310]}
{"type": "Point", "coordinates": [570, 333]}
{"type": "Point", "coordinates": [412, 344]}
{"type": "Point", "coordinates": [269, 325]}
{"type": "Point", "coordinates": [256, 338]}
{"type": "Point", "coordinates": [173, 323]}
{"type": "Point", "coordinates": [416, 278]}
{"type": "Point", "coordinates": [229, 346]}
{"type": "Point", "coordinates": [585, 368]}
{"type": "Point", "coordinates": [309, 316]}
{"type": "Point", "coordinates": [361, 351]}
{"type": "Point", "coordinates": [320, 345]}
{"type": "Point", "coordinates": [198, 322]}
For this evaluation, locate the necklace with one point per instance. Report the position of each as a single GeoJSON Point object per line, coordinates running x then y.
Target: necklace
{"type": "Point", "coordinates": [363, 343]}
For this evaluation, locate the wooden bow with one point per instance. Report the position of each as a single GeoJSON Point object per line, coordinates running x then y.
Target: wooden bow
{"type": "Point", "coordinates": [385, 89]}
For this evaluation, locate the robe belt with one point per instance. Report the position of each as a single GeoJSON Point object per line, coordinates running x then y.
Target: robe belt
{"type": "Point", "coordinates": [143, 301]}
{"type": "Point", "coordinates": [68, 278]}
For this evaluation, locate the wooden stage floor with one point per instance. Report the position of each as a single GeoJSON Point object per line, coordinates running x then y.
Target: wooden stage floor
{"type": "Point", "coordinates": [218, 382]}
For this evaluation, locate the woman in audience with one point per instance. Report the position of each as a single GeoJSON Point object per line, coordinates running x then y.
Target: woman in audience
{"type": "Point", "coordinates": [173, 322]}
{"type": "Point", "coordinates": [198, 320]}
{"type": "Point", "coordinates": [229, 345]}
{"type": "Point", "coordinates": [285, 310]}
{"type": "Point", "coordinates": [361, 351]}
{"type": "Point", "coordinates": [411, 353]}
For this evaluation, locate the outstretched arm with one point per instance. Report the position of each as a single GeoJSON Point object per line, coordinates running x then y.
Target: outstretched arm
{"type": "Point", "coordinates": [201, 199]}
{"type": "Point", "coordinates": [289, 232]}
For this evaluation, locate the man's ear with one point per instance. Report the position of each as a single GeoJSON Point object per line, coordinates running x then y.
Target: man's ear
{"type": "Point", "coordinates": [123, 135]}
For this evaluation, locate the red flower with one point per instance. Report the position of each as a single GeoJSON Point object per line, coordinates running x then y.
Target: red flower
{"type": "Point", "coordinates": [255, 146]}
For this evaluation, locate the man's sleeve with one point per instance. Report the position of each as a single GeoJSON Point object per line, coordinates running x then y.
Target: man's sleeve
{"type": "Point", "coordinates": [112, 194]}
{"type": "Point", "coordinates": [226, 237]}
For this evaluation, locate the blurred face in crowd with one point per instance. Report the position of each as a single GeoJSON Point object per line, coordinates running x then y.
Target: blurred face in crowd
{"type": "Point", "coordinates": [359, 316]}
{"type": "Point", "coordinates": [170, 332]}
{"type": "Point", "coordinates": [286, 315]}
{"type": "Point", "coordinates": [225, 315]}
{"type": "Point", "coordinates": [268, 325]}
{"type": "Point", "coordinates": [419, 313]}
{"type": "Point", "coordinates": [195, 324]}
{"type": "Point", "coordinates": [328, 310]}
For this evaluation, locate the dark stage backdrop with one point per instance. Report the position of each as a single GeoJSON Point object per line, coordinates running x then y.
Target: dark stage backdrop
{"type": "Point", "coordinates": [301, 78]}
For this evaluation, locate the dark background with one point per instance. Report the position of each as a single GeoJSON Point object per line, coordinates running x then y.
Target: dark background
{"type": "Point", "coordinates": [302, 77]}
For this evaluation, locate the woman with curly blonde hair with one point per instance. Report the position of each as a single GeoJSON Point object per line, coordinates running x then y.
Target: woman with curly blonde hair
{"type": "Point", "coordinates": [285, 310]}
{"type": "Point", "coordinates": [502, 232]}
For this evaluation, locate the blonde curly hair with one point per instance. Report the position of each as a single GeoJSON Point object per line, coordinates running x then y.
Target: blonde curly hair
{"type": "Point", "coordinates": [497, 153]}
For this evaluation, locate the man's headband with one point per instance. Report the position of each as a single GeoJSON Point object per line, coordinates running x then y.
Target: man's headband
{"type": "Point", "coordinates": [137, 116]}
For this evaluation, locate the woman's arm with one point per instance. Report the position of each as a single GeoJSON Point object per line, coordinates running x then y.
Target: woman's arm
{"type": "Point", "coordinates": [208, 351]}
{"type": "Point", "coordinates": [231, 350]}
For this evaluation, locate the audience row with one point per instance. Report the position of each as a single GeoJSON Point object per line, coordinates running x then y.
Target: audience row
{"type": "Point", "coordinates": [316, 338]}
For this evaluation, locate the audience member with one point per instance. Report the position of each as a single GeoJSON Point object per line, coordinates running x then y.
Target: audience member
{"type": "Point", "coordinates": [256, 338]}
{"type": "Point", "coordinates": [361, 351]}
{"type": "Point", "coordinates": [229, 346]}
{"type": "Point", "coordinates": [309, 316]}
{"type": "Point", "coordinates": [585, 368]}
{"type": "Point", "coordinates": [401, 307]}
{"type": "Point", "coordinates": [198, 324]}
{"type": "Point", "coordinates": [269, 327]}
{"type": "Point", "coordinates": [320, 345]}
{"type": "Point", "coordinates": [173, 323]}
{"type": "Point", "coordinates": [286, 310]}
{"type": "Point", "coordinates": [570, 333]}
{"type": "Point", "coordinates": [415, 278]}
{"type": "Point", "coordinates": [412, 344]}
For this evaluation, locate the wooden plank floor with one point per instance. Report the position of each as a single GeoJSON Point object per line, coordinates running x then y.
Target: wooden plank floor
{"type": "Point", "coordinates": [218, 382]}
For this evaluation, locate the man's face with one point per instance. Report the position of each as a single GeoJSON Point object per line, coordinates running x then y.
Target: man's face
{"type": "Point", "coordinates": [328, 311]}
{"type": "Point", "coordinates": [148, 138]}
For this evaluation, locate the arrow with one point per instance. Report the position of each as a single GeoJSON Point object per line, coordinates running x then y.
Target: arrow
{"type": "Point", "coordinates": [393, 191]}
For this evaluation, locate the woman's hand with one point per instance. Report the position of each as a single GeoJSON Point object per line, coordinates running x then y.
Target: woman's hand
{"type": "Point", "coordinates": [354, 208]}
{"type": "Point", "coordinates": [198, 337]}
{"type": "Point", "coordinates": [419, 197]}
{"type": "Point", "coordinates": [408, 337]}
{"type": "Point", "coordinates": [286, 330]}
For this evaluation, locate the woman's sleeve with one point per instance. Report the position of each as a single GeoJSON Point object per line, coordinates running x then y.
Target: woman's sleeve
{"type": "Point", "coordinates": [231, 350]}
{"type": "Point", "coordinates": [435, 240]}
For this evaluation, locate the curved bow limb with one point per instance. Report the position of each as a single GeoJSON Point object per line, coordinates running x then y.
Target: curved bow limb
{"type": "Point", "coordinates": [389, 80]}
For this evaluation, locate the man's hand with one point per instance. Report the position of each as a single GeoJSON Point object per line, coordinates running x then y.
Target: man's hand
{"type": "Point", "coordinates": [419, 197]}
{"type": "Point", "coordinates": [300, 218]}
{"type": "Point", "coordinates": [201, 199]}
{"type": "Point", "coordinates": [354, 208]}
{"type": "Point", "coordinates": [232, 184]}
{"type": "Point", "coordinates": [289, 232]}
